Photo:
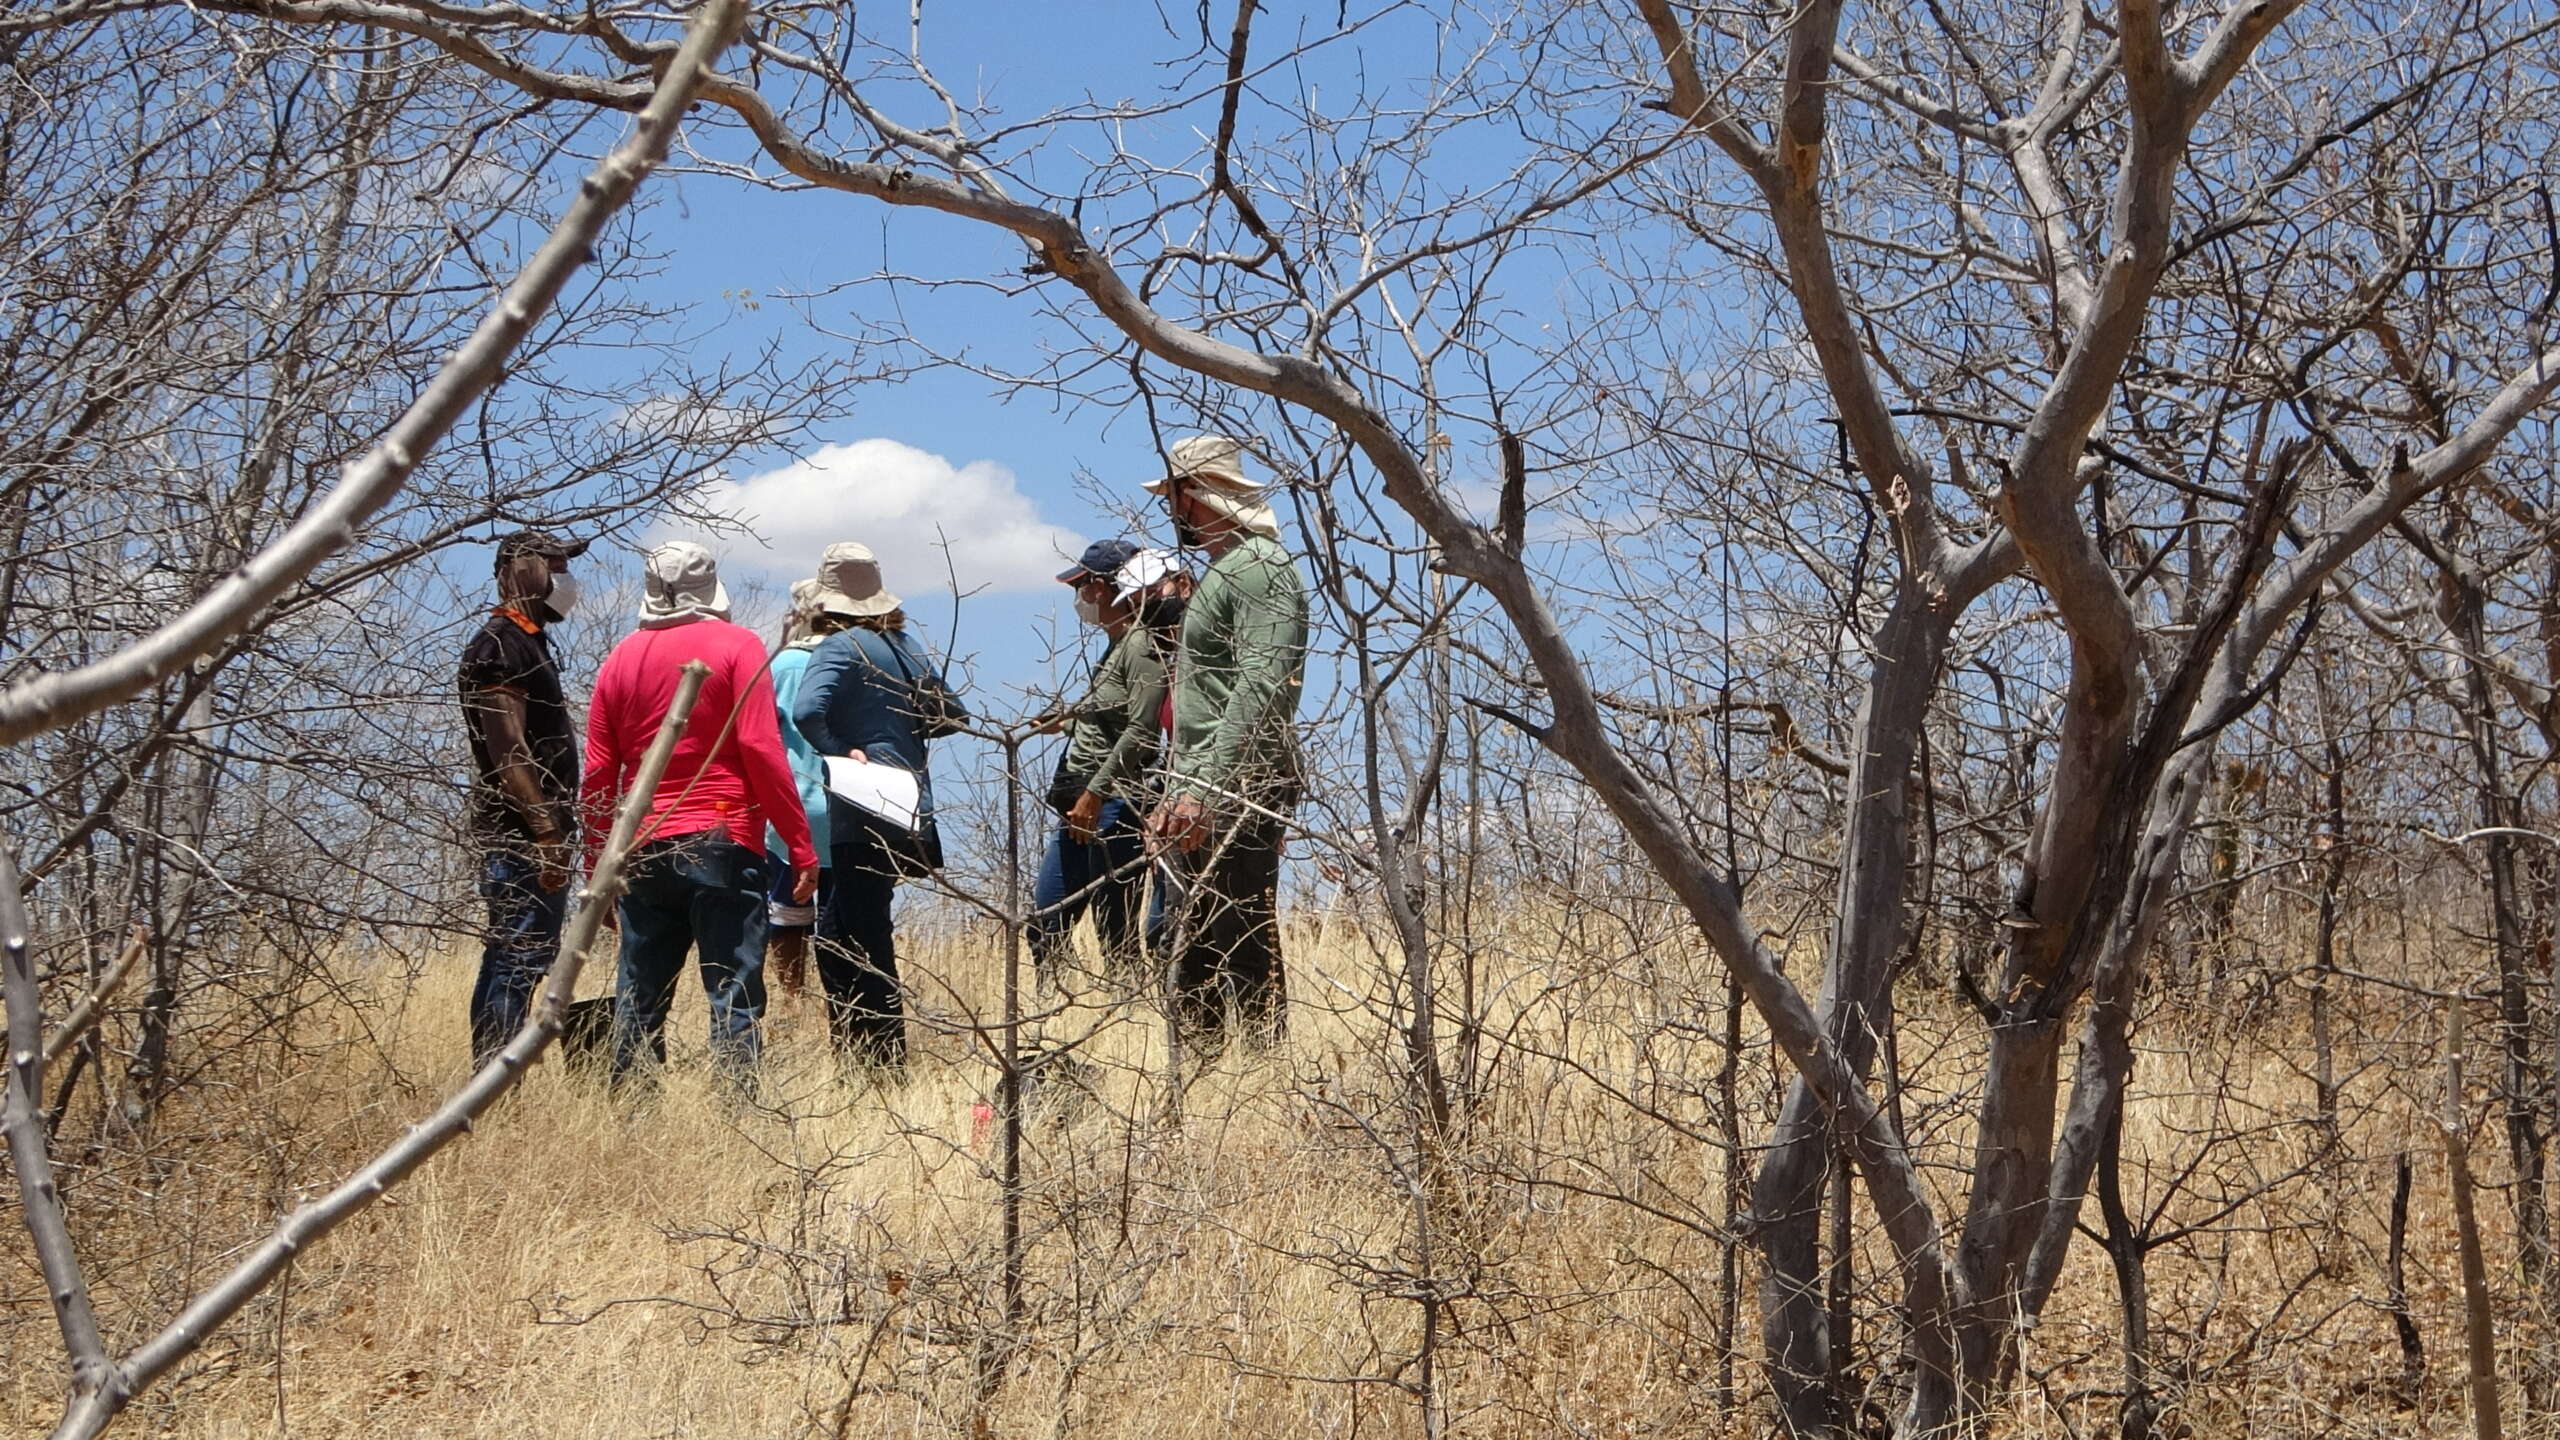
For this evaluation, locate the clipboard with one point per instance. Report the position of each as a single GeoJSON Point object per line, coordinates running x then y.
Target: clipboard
{"type": "Point", "coordinates": [886, 792]}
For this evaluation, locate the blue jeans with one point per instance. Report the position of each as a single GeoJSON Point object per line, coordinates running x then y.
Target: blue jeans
{"type": "Point", "coordinates": [701, 892]}
{"type": "Point", "coordinates": [517, 949]}
{"type": "Point", "coordinates": [1108, 878]}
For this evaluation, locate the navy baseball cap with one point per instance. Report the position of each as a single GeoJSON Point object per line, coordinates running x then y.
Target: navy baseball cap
{"type": "Point", "coordinates": [1102, 558]}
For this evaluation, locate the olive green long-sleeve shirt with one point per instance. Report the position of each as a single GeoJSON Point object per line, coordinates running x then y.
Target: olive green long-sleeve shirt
{"type": "Point", "coordinates": [1238, 677]}
{"type": "Point", "coordinates": [1114, 737]}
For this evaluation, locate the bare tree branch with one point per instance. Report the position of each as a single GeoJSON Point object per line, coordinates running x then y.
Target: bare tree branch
{"type": "Point", "coordinates": [93, 1006]}
{"type": "Point", "coordinates": [46, 701]}
{"type": "Point", "coordinates": [39, 1198]}
{"type": "Point", "coordinates": [95, 1405]}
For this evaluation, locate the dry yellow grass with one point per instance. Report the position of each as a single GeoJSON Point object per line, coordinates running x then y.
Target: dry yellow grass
{"type": "Point", "coordinates": [829, 1261]}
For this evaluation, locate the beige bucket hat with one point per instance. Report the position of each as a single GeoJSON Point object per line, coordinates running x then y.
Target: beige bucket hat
{"type": "Point", "coordinates": [681, 583]}
{"type": "Point", "coordinates": [848, 583]}
{"type": "Point", "coordinates": [1214, 461]}
{"type": "Point", "coordinates": [803, 606]}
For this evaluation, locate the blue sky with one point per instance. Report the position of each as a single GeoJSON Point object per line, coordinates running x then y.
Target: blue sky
{"type": "Point", "coordinates": [933, 452]}
{"type": "Point", "coordinates": [939, 451]}
{"type": "Point", "coordinates": [1016, 481]}
{"type": "Point", "coordinates": [1011, 483]}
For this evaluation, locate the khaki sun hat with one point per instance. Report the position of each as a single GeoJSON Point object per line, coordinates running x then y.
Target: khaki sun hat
{"type": "Point", "coordinates": [681, 584]}
{"type": "Point", "coordinates": [1215, 461]}
{"type": "Point", "coordinates": [848, 583]}
{"type": "Point", "coordinates": [804, 598]}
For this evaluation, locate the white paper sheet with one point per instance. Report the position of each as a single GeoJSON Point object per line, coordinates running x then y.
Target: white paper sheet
{"type": "Point", "coordinates": [875, 789]}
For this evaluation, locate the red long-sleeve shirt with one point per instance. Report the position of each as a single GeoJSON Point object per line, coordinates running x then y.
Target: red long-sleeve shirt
{"type": "Point", "coordinates": [741, 785]}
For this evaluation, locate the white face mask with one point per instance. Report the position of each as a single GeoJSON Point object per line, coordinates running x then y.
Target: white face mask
{"type": "Point", "coordinates": [1088, 610]}
{"type": "Point", "coordinates": [563, 597]}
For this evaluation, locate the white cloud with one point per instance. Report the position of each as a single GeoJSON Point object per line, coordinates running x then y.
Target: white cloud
{"type": "Point", "coordinates": [906, 504]}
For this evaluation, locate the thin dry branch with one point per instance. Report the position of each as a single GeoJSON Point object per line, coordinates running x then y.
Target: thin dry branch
{"type": "Point", "coordinates": [53, 699]}
{"type": "Point", "coordinates": [39, 1198]}
{"type": "Point", "coordinates": [94, 1004]}
{"type": "Point", "coordinates": [92, 1409]}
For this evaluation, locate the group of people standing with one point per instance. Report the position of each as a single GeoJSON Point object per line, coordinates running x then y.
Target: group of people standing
{"type": "Point", "coordinates": [1174, 792]}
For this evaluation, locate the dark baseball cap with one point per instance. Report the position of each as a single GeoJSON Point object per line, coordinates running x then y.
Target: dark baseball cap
{"type": "Point", "coordinates": [1102, 558]}
{"type": "Point", "coordinates": [537, 542]}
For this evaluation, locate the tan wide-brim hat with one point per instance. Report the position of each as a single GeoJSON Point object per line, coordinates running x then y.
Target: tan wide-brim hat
{"type": "Point", "coordinates": [848, 583]}
{"type": "Point", "coordinates": [1214, 461]}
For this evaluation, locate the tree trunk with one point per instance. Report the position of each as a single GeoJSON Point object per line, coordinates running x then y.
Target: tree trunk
{"type": "Point", "coordinates": [2480, 1326]}
{"type": "Point", "coordinates": [2137, 1411]}
{"type": "Point", "coordinates": [2519, 1106]}
{"type": "Point", "coordinates": [1788, 1196]}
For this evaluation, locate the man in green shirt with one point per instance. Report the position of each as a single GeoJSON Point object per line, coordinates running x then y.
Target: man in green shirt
{"type": "Point", "coordinates": [1233, 776]}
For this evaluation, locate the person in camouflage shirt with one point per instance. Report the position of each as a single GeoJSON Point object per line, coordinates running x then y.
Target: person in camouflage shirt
{"type": "Point", "coordinates": [1232, 778]}
{"type": "Point", "coordinates": [1096, 861]}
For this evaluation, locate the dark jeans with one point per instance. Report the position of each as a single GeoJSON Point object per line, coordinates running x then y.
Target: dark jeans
{"type": "Point", "coordinates": [1108, 878]}
{"type": "Point", "coordinates": [858, 952]}
{"type": "Point", "coordinates": [517, 950]}
{"type": "Point", "coordinates": [1229, 961]}
{"type": "Point", "coordinates": [702, 892]}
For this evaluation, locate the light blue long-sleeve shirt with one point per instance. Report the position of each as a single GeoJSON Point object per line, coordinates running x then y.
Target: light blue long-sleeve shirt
{"type": "Point", "coordinates": [807, 768]}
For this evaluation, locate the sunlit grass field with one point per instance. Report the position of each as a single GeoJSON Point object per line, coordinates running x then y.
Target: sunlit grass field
{"type": "Point", "coordinates": [1269, 1250]}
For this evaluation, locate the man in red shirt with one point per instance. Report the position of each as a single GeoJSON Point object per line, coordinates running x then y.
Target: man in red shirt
{"type": "Point", "coordinates": [698, 879]}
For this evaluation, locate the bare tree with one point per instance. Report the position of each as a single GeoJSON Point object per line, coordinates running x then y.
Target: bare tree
{"type": "Point", "coordinates": [102, 1384]}
{"type": "Point", "coordinates": [2127, 226]}
{"type": "Point", "coordinates": [2089, 355]}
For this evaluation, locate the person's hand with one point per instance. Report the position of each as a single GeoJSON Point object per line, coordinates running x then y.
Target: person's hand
{"type": "Point", "coordinates": [857, 757]}
{"type": "Point", "coordinates": [550, 859]}
{"type": "Point", "coordinates": [804, 884]}
{"type": "Point", "coordinates": [1180, 823]}
{"type": "Point", "coordinates": [1084, 819]}
{"type": "Point", "coordinates": [1049, 722]}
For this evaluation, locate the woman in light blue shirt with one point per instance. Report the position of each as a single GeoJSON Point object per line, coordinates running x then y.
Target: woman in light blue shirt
{"type": "Point", "coordinates": [787, 948]}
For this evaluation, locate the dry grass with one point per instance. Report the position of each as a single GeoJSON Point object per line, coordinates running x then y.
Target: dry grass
{"type": "Point", "coordinates": [829, 1260]}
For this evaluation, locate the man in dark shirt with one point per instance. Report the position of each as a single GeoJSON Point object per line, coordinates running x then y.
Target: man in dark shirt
{"type": "Point", "coordinates": [524, 779]}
